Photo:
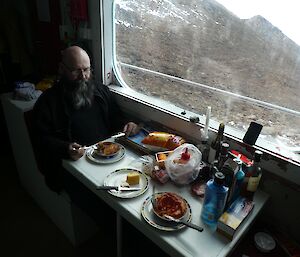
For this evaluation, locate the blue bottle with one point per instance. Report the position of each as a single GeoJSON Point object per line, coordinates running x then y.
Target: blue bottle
{"type": "Point", "coordinates": [214, 199]}
{"type": "Point", "coordinates": [238, 180]}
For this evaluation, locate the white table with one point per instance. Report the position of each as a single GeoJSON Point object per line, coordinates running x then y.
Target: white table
{"type": "Point", "coordinates": [185, 242]}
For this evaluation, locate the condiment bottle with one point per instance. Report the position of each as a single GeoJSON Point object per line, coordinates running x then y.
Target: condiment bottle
{"type": "Point", "coordinates": [204, 148]}
{"type": "Point", "coordinates": [223, 156]}
{"type": "Point", "coordinates": [238, 180]}
{"type": "Point", "coordinates": [214, 200]}
{"type": "Point", "coordinates": [256, 173]}
{"type": "Point", "coordinates": [216, 144]}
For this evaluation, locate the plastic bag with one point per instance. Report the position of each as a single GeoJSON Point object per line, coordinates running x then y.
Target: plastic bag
{"type": "Point", "coordinates": [145, 164]}
{"type": "Point", "coordinates": [184, 170]}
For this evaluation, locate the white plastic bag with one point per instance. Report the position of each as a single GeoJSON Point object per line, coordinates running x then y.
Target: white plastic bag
{"type": "Point", "coordinates": [186, 171]}
{"type": "Point", "coordinates": [145, 164]}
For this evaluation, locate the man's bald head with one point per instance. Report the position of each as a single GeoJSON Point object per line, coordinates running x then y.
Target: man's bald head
{"type": "Point", "coordinates": [75, 63]}
{"type": "Point", "coordinates": [75, 69]}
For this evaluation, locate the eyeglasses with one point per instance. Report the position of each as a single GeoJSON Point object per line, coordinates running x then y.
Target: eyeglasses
{"type": "Point", "coordinates": [77, 72]}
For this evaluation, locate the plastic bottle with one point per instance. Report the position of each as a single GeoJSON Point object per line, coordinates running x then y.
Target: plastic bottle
{"type": "Point", "coordinates": [238, 180]}
{"type": "Point", "coordinates": [214, 200]}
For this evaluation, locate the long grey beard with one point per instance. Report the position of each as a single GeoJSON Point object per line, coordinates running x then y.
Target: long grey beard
{"type": "Point", "coordinates": [80, 93]}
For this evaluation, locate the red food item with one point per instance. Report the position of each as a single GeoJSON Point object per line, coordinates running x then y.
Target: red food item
{"type": "Point", "coordinates": [185, 155]}
{"type": "Point", "coordinates": [198, 188]}
{"type": "Point", "coordinates": [170, 204]}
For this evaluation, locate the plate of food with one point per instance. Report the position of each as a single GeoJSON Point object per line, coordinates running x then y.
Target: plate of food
{"type": "Point", "coordinates": [127, 178]}
{"type": "Point", "coordinates": [106, 152]}
{"type": "Point", "coordinates": [150, 141]}
{"type": "Point", "coordinates": [107, 149]}
{"type": "Point", "coordinates": [167, 203]}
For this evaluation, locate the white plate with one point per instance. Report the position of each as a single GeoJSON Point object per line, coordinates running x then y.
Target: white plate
{"type": "Point", "coordinates": [118, 177]}
{"type": "Point", "coordinates": [94, 157]}
{"type": "Point", "coordinates": [152, 219]}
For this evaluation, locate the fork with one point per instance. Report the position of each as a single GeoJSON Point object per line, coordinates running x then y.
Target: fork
{"type": "Point", "coordinates": [88, 147]}
{"type": "Point", "coordinates": [153, 200]}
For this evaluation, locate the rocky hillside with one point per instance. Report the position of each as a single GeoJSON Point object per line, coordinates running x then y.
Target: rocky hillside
{"type": "Point", "coordinates": [202, 41]}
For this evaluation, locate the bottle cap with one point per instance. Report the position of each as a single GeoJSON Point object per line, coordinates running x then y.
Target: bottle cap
{"type": "Point", "coordinates": [224, 148]}
{"type": "Point", "coordinates": [221, 128]}
{"type": "Point", "coordinates": [214, 169]}
{"type": "Point", "coordinates": [219, 178]}
{"type": "Point", "coordinates": [257, 155]}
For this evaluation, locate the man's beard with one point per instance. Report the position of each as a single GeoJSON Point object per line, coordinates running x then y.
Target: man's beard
{"type": "Point", "coordinates": [79, 93]}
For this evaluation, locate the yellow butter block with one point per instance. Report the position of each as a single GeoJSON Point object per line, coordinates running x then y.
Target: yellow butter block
{"type": "Point", "coordinates": [133, 178]}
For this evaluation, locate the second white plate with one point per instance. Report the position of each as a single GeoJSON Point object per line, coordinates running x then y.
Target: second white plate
{"type": "Point", "coordinates": [118, 177]}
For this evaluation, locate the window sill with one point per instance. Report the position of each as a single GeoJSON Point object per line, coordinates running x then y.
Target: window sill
{"type": "Point", "coordinates": [150, 108]}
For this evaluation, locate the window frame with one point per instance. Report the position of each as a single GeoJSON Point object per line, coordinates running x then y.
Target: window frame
{"type": "Point", "coordinates": [168, 114]}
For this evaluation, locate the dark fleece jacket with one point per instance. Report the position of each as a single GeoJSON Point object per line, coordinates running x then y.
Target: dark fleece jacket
{"type": "Point", "coordinates": [52, 129]}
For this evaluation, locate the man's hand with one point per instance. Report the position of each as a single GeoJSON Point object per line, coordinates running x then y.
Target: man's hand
{"type": "Point", "coordinates": [75, 151]}
{"type": "Point", "coordinates": [131, 129]}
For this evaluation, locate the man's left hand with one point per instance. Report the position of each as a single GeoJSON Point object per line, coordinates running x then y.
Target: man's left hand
{"type": "Point", "coordinates": [131, 129]}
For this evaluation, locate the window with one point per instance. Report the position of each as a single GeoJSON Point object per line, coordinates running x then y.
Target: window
{"type": "Point", "coordinates": [196, 54]}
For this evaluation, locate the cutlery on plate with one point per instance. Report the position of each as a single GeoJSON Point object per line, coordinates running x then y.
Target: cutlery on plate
{"type": "Point", "coordinates": [88, 147]}
{"type": "Point", "coordinates": [188, 224]}
{"type": "Point", "coordinates": [153, 198]}
{"type": "Point", "coordinates": [85, 147]}
{"type": "Point", "coordinates": [118, 188]}
{"type": "Point", "coordinates": [120, 134]}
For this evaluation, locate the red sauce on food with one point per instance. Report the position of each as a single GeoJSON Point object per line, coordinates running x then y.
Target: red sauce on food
{"type": "Point", "coordinates": [170, 204]}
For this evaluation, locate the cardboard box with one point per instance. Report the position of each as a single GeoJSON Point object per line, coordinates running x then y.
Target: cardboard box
{"type": "Point", "coordinates": [232, 218]}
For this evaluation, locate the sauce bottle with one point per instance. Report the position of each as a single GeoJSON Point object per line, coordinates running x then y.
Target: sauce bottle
{"type": "Point", "coordinates": [256, 173]}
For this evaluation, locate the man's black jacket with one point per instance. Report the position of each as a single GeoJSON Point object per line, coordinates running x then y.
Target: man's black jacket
{"type": "Point", "coordinates": [53, 133]}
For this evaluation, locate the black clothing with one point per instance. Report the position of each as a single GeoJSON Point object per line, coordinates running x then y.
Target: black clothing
{"type": "Point", "coordinates": [88, 126]}
{"type": "Point", "coordinates": [54, 123]}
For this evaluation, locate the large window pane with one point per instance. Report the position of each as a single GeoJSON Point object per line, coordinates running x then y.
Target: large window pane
{"type": "Point", "coordinates": [197, 53]}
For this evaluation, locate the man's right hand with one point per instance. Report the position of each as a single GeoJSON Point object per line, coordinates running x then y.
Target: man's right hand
{"type": "Point", "coordinates": [76, 151]}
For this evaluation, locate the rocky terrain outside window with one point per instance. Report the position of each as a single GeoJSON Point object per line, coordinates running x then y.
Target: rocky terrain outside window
{"type": "Point", "coordinates": [246, 69]}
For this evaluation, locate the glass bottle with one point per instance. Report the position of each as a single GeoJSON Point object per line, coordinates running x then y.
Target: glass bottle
{"type": "Point", "coordinates": [248, 173]}
{"type": "Point", "coordinates": [223, 156]}
{"type": "Point", "coordinates": [204, 146]}
{"type": "Point", "coordinates": [256, 173]}
{"type": "Point", "coordinates": [216, 144]}
{"type": "Point", "coordinates": [214, 200]}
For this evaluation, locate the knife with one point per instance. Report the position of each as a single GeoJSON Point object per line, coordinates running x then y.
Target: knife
{"type": "Point", "coordinates": [188, 224]}
{"type": "Point", "coordinates": [118, 188]}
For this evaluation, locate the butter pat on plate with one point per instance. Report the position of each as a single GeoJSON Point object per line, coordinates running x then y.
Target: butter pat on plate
{"type": "Point", "coordinates": [133, 178]}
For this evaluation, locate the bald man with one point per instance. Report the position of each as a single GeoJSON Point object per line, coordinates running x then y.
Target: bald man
{"type": "Point", "coordinates": [73, 113]}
